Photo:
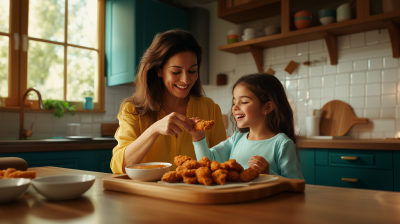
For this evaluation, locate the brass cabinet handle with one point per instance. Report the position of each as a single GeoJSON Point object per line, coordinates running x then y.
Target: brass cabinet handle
{"type": "Point", "coordinates": [350, 180]}
{"type": "Point", "coordinates": [349, 157]}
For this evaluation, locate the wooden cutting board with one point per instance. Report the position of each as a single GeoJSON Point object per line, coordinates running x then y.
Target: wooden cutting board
{"type": "Point", "coordinates": [337, 118]}
{"type": "Point", "coordinates": [198, 195]}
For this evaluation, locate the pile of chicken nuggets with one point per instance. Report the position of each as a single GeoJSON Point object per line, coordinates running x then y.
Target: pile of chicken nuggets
{"type": "Point", "coordinates": [207, 172]}
{"type": "Point", "coordinates": [13, 173]}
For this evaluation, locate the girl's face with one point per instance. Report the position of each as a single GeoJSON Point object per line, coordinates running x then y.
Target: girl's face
{"type": "Point", "coordinates": [180, 73]}
{"type": "Point", "coordinates": [246, 108]}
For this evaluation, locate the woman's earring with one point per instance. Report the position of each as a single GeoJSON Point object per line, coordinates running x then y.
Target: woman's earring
{"type": "Point", "coordinates": [265, 112]}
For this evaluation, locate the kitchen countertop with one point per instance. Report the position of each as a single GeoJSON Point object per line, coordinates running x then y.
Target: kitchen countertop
{"type": "Point", "coordinates": [318, 204]}
{"type": "Point", "coordinates": [369, 144]}
{"type": "Point", "coordinates": [43, 145]}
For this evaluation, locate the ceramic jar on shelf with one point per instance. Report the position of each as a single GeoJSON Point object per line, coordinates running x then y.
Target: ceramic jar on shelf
{"type": "Point", "coordinates": [302, 19]}
{"type": "Point", "coordinates": [327, 16]}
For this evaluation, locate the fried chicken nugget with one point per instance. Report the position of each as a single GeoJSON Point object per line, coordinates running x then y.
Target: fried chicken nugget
{"type": "Point", "coordinates": [9, 171]}
{"type": "Point", "coordinates": [248, 175]}
{"type": "Point", "coordinates": [202, 125]}
{"type": "Point", "coordinates": [204, 162]}
{"type": "Point", "coordinates": [179, 160]}
{"type": "Point", "coordinates": [203, 175]}
{"type": "Point", "coordinates": [219, 176]}
{"type": "Point", "coordinates": [22, 174]}
{"type": "Point", "coordinates": [189, 176]}
{"type": "Point", "coordinates": [234, 166]}
{"type": "Point", "coordinates": [190, 164]}
{"type": "Point", "coordinates": [2, 172]}
{"type": "Point", "coordinates": [232, 176]}
{"type": "Point", "coordinates": [219, 166]}
{"type": "Point", "coordinates": [172, 177]}
{"type": "Point", "coordinates": [180, 169]}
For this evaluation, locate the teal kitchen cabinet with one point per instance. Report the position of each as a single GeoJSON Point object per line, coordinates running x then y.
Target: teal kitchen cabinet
{"type": "Point", "coordinates": [130, 28]}
{"type": "Point", "coordinates": [307, 164]}
{"type": "Point", "coordinates": [91, 160]}
{"type": "Point", "coordinates": [396, 175]}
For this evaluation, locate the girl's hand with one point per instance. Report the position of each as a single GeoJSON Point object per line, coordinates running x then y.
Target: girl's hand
{"type": "Point", "coordinates": [172, 124]}
{"type": "Point", "coordinates": [196, 135]}
{"type": "Point", "coordinates": [259, 163]}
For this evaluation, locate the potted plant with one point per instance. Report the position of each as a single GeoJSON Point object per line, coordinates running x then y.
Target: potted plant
{"type": "Point", "coordinates": [88, 103]}
{"type": "Point", "coordinates": [59, 107]}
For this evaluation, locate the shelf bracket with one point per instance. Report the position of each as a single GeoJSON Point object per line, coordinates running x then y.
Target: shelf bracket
{"type": "Point", "coordinates": [258, 57]}
{"type": "Point", "coordinates": [394, 33]}
{"type": "Point", "coordinates": [331, 43]}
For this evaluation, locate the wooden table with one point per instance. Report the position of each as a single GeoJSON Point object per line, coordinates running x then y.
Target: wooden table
{"type": "Point", "coordinates": [318, 204]}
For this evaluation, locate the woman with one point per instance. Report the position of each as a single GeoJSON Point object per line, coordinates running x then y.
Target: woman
{"type": "Point", "coordinates": [153, 123]}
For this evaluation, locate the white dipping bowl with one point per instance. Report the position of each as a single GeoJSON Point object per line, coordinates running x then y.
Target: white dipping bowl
{"type": "Point", "coordinates": [147, 174]}
{"type": "Point", "coordinates": [63, 187]}
{"type": "Point", "coordinates": [12, 188]}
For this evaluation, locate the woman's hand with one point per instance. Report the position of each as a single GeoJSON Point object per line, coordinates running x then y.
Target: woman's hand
{"type": "Point", "coordinates": [196, 135]}
{"type": "Point", "coordinates": [172, 124]}
{"type": "Point", "coordinates": [259, 163]}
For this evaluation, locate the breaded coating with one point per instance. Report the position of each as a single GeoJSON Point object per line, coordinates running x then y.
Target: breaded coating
{"type": "Point", "coordinates": [189, 176]}
{"type": "Point", "coordinates": [179, 160]}
{"type": "Point", "coordinates": [219, 166]}
{"type": "Point", "coordinates": [248, 175]}
{"type": "Point", "coordinates": [234, 166]}
{"type": "Point", "coordinates": [232, 176]}
{"type": "Point", "coordinates": [172, 177]}
{"type": "Point", "coordinates": [202, 125]}
{"type": "Point", "coordinates": [203, 175]}
{"type": "Point", "coordinates": [219, 176]}
{"type": "Point", "coordinates": [22, 174]}
{"type": "Point", "coordinates": [2, 172]}
{"type": "Point", "coordinates": [179, 169]}
{"type": "Point", "coordinates": [204, 162]}
{"type": "Point", "coordinates": [9, 171]}
{"type": "Point", "coordinates": [190, 164]}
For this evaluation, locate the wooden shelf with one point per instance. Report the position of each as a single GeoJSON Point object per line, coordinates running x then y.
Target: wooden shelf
{"type": "Point", "coordinates": [329, 33]}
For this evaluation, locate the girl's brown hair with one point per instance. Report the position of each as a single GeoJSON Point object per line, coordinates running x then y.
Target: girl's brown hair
{"type": "Point", "coordinates": [149, 86]}
{"type": "Point", "coordinates": [268, 88]}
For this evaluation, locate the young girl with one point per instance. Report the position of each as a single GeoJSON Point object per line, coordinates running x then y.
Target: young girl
{"type": "Point", "coordinates": [265, 140]}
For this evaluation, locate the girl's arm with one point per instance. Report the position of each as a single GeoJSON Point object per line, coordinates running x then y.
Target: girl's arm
{"type": "Point", "coordinates": [220, 152]}
{"type": "Point", "coordinates": [288, 163]}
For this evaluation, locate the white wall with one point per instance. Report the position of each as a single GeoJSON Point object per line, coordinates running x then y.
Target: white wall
{"type": "Point", "coordinates": [366, 76]}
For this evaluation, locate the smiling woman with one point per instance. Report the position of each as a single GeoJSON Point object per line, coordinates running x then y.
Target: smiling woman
{"type": "Point", "coordinates": [154, 122]}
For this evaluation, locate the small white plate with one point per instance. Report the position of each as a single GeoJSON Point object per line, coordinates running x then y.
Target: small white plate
{"type": "Point", "coordinates": [12, 188]}
{"type": "Point", "coordinates": [79, 137]}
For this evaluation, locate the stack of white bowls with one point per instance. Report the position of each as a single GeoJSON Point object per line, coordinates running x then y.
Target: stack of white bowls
{"type": "Point", "coordinates": [249, 33]}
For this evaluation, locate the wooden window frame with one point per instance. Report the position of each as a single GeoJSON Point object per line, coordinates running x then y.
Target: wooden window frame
{"type": "Point", "coordinates": [18, 59]}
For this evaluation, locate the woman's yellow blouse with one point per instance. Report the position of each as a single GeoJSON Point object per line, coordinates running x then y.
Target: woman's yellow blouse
{"type": "Point", "coordinates": [166, 147]}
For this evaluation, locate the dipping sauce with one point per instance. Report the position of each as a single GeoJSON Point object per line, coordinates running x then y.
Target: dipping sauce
{"type": "Point", "coordinates": [148, 167]}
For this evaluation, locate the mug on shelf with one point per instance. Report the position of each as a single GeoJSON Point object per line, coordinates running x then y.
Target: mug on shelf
{"type": "Point", "coordinates": [343, 12]}
{"type": "Point", "coordinates": [302, 19]}
{"type": "Point", "coordinates": [250, 31]}
{"type": "Point", "coordinates": [248, 37]}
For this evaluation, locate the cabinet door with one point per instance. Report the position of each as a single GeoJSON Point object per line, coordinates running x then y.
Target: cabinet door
{"type": "Point", "coordinates": [396, 164]}
{"type": "Point", "coordinates": [307, 164]}
{"type": "Point", "coordinates": [130, 28]}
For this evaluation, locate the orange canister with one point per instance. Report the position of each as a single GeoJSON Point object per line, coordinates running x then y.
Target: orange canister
{"type": "Point", "coordinates": [302, 19]}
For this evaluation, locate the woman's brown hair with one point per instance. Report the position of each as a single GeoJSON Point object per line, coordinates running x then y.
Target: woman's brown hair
{"type": "Point", "coordinates": [148, 95]}
{"type": "Point", "coordinates": [268, 88]}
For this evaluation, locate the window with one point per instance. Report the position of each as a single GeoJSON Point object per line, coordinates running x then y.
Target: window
{"type": "Point", "coordinates": [55, 46]}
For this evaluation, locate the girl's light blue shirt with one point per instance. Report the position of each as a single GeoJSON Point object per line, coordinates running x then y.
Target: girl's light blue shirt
{"type": "Point", "coordinates": [279, 151]}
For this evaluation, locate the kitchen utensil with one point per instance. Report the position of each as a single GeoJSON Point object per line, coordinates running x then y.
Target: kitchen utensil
{"type": "Point", "coordinates": [337, 118]}
{"type": "Point", "coordinates": [63, 187]}
{"type": "Point", "coordinates": [312, 126]}
{"type": "Point", "coordinates": [302, 19]}
{"type": "Point", "coordinates": [327, 16]}
{"type": "Point", "coordinates": [343, 12]}
{"type": "Point", "coordinates": [147, 174]}
{"type": "Point", "coordinates": [197, 195]}
{"type": "Point", "coordinates": [12, 188]}
{"type": "Point", "coordinates": [73, 129]}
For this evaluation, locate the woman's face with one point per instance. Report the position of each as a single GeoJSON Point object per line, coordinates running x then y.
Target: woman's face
{"type": "Point", "coordinates": [180, 73]}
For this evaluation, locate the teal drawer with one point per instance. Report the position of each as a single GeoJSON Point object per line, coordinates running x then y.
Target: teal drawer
{"type": "Point", "coordinates": [367, 178]}
{"type": "Point", "coordinates": [307, 164]}
{"type": "Point", "coordinates": [396, 159]}
{"type": "Point", "coordinates": [375, 159]}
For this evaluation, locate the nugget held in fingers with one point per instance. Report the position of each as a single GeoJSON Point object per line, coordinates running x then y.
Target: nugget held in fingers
{"type": "Point", "coordinates": [189, 176]}
{"type": "Point", "coordinates": [232, 176]}
{"type": "Point", "coordinates": [203, 175]}
{"type": "Point", "coordinates": [179, 160]}
{"type": "Point", "coordinates": [202, 125]}
{"type": "Point", "coordinates": [219, 176]}
{"type": "Point", "coordinates": [248, 174]}
{"type": "Point", "coordinates": [172, 177]}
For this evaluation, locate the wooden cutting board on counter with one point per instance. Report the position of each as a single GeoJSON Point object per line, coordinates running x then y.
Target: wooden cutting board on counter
{"type": "Point", "coordinates": [199, 195]}
{"type": "Point", "coordinates": [337, 118]}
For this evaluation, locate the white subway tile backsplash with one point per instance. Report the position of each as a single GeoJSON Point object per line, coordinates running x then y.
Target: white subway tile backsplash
{"type": "Point", "coordinates": [44, 127]}
{"type": "Point", "coordinates": [302, 72]}
{"type": "Point", "coordinates": [291, 50]}
{"type": "Point", "coordinates": [240, 60]}
{"type": "Point", "coordinates": [328, 92]}
{"type": "Point", "coordinates": [357, 102]}
{"type": "Point", "coordinates": [353, 134]}
{"type": "Point", "coordinates": [388, 113]}
{"type": "Point", "coordinates": [97, 118]}
{"type": "Point", "coordinates": [86, 128]}
{"type": "Point", "coordinates": [343, 42]}
{"type": "Point", "coordinates": [315, 46]}
{"type": "Point", "coordinates": [302, 106]}
{"type": "Point", "coordinates": [72, 118]}
{"type": "Point", "coordinates": [364, 135]}
{"type": "Point", "coordinates": [389, 75]}
{"type": "Point", "coordinates": [389, 88]}
{"type": "Point", "coordinates": [345, 67]}
{"type": "Point", "coordinates": [342, 91]}
{"type": "Point", "coordinates": [60, 128]}
{"type": "Point", "coordinates": [314, 82]}
{"type": "Point", "coordinates": [361, 65]}
{"type": "Point", "coordinates": [248, 57]}
{"type": "Point", "coordinates": [330, 69]}
{"type": "Point", "coordinates": [302, 95]}
{"type": "Point", "coordinates": [389, 134]}
{"type": "Point", "coordinates": [251, 68]}
{"type": "Point", "coordinates": [96, 128]}
{"type": "Point", "coordinates": [372, 102]}
{"type": "Point", "coordinates": [279, 52]}
{"type": "Point", "coordinates": [342, 79]}
{"type": "Point", "coordinates": [372, 37]}
{"type": "Point", "coordinates": [291, 85]}
{"type": "Point", "coordinates": [372, 113]}
{"type": "Point", "coordinates": [357, 39]}
{"type": "Point", "coordinates": [388, 100]}
{"type": "Point", "coordinates": [302, 84]}
{"type": "Point", "coordinates": [328, 81]}
{"type": "Point", "coordinates": [375, 63]}
{"type": "Point", "coordinates": [280, 75]}
{"type": "Point", "coordinates": [44, 117]}
{"type": "Point", "coordinates": [86, 118]}
{"type": "Point", "coordinates": [390, 62]}
{"type": "Point", "coordinates": [315, 71]}
{"type": "Point", "coordinates": [315, 93]}
{"type": "Point", "coordinates": [357, 90]}
{"type": "Point", "coordinates": [325, 101]}
{"type": "Point", "coordinates": [374, 76]}
{"type": "Point", "coordinates": [373, 89]}
{"type": "Point", "coordinates": [377, 135]}
{"type": "Point", "coordinates": [357, 78]}
{"type": "Point", "coordinates": [314, 104]}
{"type": "Point", "coordinates": [302, 48]}
{"type": "Point", "coordinates": [269, 53]}
{"type": "Point", "coordinates": [359, 112]}
{"type": "Point", "coordinates": [384, 36]}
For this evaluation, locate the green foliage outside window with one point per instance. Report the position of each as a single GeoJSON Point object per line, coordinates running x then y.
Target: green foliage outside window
{"type": "Point", "coordinates": [59, 107]}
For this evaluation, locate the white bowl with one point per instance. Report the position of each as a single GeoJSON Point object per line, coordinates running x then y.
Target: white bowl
{"type": "Point", "coordinates": [270, 30]}
{"type": "Point", "coordinates": [12, 188]}
{"type": "Point", "coordinates": [327, 20]}
{"type": "Point", "coordinates": [249, 31]}
{"type": "Point", "coordinates": [233, 32]}
{"type": "Point", "coordinates": [63, 187]}
{"type": "Point", "coordinates": [248, 37]}
{"type": "Point", "coordinates": [147, 174]}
